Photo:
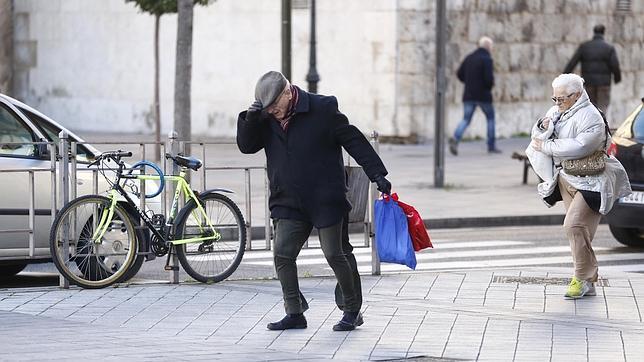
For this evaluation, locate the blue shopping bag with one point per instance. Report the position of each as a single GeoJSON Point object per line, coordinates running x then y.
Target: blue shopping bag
{"type": "Point", "coordinates": [392, 234]}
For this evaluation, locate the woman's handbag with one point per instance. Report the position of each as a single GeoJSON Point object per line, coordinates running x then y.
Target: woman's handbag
{"type": "Point", "coordinates": [593, 164]}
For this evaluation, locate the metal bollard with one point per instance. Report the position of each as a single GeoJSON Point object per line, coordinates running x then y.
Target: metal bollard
{"type": "Point", "coordinates": [174, 149]}
{"type": "Point", "coordinates": [373, 196]}
{"type": "Point", "coordinates": [64, 193]}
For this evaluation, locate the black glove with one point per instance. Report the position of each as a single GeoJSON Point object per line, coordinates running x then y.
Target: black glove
{"type": "Point", "coordinates": [254, 113]}
{"type": "Point", "coordinates": [384, 185]}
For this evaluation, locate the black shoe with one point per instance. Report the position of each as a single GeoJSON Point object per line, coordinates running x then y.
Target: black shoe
{"type": "Point", "coordinates": [291, 321]}
{"type": "Point", "coordinates": [494, 150]}
{"type": "Point", "coordinates": [453, 146]}
{"type": "Point", "coordinates": [349, 321]}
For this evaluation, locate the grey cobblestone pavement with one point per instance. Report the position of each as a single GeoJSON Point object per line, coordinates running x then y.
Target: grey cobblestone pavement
{"type": "Point", "coordinates": [486, 315]}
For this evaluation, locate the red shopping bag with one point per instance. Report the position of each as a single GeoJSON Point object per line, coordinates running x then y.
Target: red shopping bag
{"type": "Point", "coordinates": [417, 232]}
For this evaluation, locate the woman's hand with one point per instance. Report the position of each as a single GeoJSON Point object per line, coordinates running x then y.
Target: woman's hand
{"type": "Point", "coordinates": [544, 123]}
{"type": "Point", "coordinates": [537, 144]}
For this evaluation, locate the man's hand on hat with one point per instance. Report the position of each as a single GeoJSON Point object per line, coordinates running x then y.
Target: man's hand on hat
{"type": "Point", "coordinates": [254, 113]}
{"type": "Point", "coordinates": [384, 185]}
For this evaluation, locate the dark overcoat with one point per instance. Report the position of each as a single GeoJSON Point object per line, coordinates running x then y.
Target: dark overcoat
{"type": "Point", "coordinates": [305, 164]}
{"type": "Point", "coordinates": [598, 62]}
{"type": "Point", "coordinates": [477, 73]}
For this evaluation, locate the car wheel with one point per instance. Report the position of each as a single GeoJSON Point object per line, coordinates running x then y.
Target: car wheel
{"type": "Point", "coordinates": [628, 236]}
{"type": "Point", "coordinates": [11, 270]}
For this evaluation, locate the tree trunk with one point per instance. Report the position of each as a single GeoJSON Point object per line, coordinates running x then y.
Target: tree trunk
{"type": "Point", "coordinates": [183, 70]}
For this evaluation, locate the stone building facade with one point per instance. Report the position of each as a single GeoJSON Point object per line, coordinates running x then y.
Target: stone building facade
{"type": "Point", "coordinates": [89, 63]}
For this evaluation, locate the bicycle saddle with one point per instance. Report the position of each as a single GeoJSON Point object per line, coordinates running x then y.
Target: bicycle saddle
{"type": "Point", "coordinates": [189, 162]}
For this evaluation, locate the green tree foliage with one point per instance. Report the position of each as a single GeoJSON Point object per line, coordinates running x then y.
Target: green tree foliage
{"type": "Point", "coordinates": [160, 7]}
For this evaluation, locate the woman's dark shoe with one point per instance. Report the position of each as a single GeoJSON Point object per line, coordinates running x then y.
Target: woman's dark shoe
{"type": "Point", "coordinates": [349, 321]}
{"type": "Point", "coordinates": [291, 321]}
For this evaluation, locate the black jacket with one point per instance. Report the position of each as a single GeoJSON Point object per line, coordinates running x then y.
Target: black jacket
{"type": "Point", "coordinates": [305, 165]}
{"type": "Point", "coordinates": [477, 73]}
{"type": "Point", "coordinates": [598, 61]}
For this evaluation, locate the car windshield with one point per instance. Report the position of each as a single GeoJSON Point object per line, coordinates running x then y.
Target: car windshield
{"type": "Point", "coordinates": [638, 126]}
{"type": "Point", "coordinates": [82, 153]}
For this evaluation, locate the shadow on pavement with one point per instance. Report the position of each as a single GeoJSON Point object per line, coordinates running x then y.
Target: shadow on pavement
{"type": "Point", "coordinates": [29, 279]}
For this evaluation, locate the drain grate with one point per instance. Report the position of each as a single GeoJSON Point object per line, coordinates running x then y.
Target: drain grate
{"type": "Point", "coordinates": [539, 280]}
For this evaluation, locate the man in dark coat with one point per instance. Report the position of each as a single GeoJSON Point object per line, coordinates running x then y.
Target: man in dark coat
{"type": "Point", "coordinates": [303, 135]}
{"type": "Point", "coordinates": [598, 62]}
{"type": "Point", "coordinates": [477, 72]}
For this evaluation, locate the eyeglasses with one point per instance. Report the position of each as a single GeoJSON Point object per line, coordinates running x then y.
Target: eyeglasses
{"type": "Point", "coordinates": [558, 100]}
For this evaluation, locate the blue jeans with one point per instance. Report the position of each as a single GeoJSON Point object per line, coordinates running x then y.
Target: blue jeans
{"type": "Point", "coordinates": [468, 111]}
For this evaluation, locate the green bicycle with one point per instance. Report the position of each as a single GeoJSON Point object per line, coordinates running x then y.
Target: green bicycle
{"type": "Point", "coordinates": [98, 240]}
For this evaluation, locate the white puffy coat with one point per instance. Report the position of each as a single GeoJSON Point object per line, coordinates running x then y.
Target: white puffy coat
{"type": "Point", "coordinates": [579, 132]}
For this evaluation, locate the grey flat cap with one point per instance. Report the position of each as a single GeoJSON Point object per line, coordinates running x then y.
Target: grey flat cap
{"type": "Point", "coordinates": [269, 87]}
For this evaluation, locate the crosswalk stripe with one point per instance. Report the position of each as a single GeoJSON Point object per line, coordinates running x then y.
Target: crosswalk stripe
{"type": "Point", "coordinates": [436, 255]}
{"type": "Point", "coordinates": [438, 247]}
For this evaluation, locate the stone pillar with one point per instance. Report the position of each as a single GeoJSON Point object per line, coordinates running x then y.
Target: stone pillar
{"type": "Point", "coordinates": [6, 45]}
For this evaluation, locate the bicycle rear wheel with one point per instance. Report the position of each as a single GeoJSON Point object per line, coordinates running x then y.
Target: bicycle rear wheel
{"type": "Point", "coordinates": [211, 261]}
{"type": "Point", "coordinates": [87, 262]}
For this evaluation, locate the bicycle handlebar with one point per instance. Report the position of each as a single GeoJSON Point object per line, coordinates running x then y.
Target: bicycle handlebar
{"type": "Point", "coordinates": [114, 155]}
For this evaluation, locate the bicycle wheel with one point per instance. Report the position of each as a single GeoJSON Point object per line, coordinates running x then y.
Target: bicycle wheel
{"type": "Point", "coordinates": [211, 261]}
{"type": "Point", "coordinates": [80, 259]}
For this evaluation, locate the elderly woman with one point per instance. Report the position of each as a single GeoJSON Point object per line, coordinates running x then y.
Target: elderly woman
{"type": "Point", "coordinates": [574, 129]}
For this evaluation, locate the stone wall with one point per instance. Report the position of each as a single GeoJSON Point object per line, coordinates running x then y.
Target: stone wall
{"type": "Point", "coordinates": [534, 41]}
{"type": "Point", "coordinates": [6, 45]}
{"type": "Point", "coordinates": [89, 64]}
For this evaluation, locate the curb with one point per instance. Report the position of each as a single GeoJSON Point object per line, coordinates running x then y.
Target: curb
{"type": "Point", "coordinates": [493, 221]}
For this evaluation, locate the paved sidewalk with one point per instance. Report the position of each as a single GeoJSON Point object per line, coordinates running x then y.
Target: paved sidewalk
{"type": "Point", "coordinates": [486, 315]}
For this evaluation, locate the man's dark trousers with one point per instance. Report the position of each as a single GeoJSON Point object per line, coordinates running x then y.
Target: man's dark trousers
{"type": "Point", "coordinates": [347, 249]}
{"type": "Point", "coordinates": [290, 236]}
{"type": "Point", "coordinates": [599, 96]}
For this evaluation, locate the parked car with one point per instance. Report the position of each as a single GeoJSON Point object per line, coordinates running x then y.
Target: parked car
{"type": "Point", "coordinates": [626, 219]}
{"type": "Point", "coordinates": [20, 123]}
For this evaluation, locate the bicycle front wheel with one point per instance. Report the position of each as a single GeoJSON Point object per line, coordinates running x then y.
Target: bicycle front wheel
{"type": "Point", "coordinates": [86, 254]}
{"type": "Point", "coordinates": [213, 259]}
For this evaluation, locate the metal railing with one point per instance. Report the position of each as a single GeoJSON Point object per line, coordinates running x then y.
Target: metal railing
{"type": "Point", "coordinates": [64, 186]}
{"type": "Point", "coordinates": [30, 250]}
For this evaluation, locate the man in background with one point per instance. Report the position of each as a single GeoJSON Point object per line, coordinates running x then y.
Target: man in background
{"type": "Point", "coordinates": [477, 73]}
{"type": "Point", "coordinates": [598, 62]}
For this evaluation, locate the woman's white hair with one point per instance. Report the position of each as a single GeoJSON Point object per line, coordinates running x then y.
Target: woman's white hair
{"type": "Point", "coordinates": [572, 82]}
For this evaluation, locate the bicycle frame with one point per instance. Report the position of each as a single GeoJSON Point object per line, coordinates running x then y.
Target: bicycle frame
{"type": "Point", "coordinates": [182, 188]}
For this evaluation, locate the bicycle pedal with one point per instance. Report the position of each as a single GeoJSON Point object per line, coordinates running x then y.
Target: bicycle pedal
{"type": "Point", "coordinates": [171, 267]}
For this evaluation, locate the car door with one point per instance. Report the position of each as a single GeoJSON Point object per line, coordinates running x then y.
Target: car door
{"type": "Point", "coordinates": [16, 132]}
